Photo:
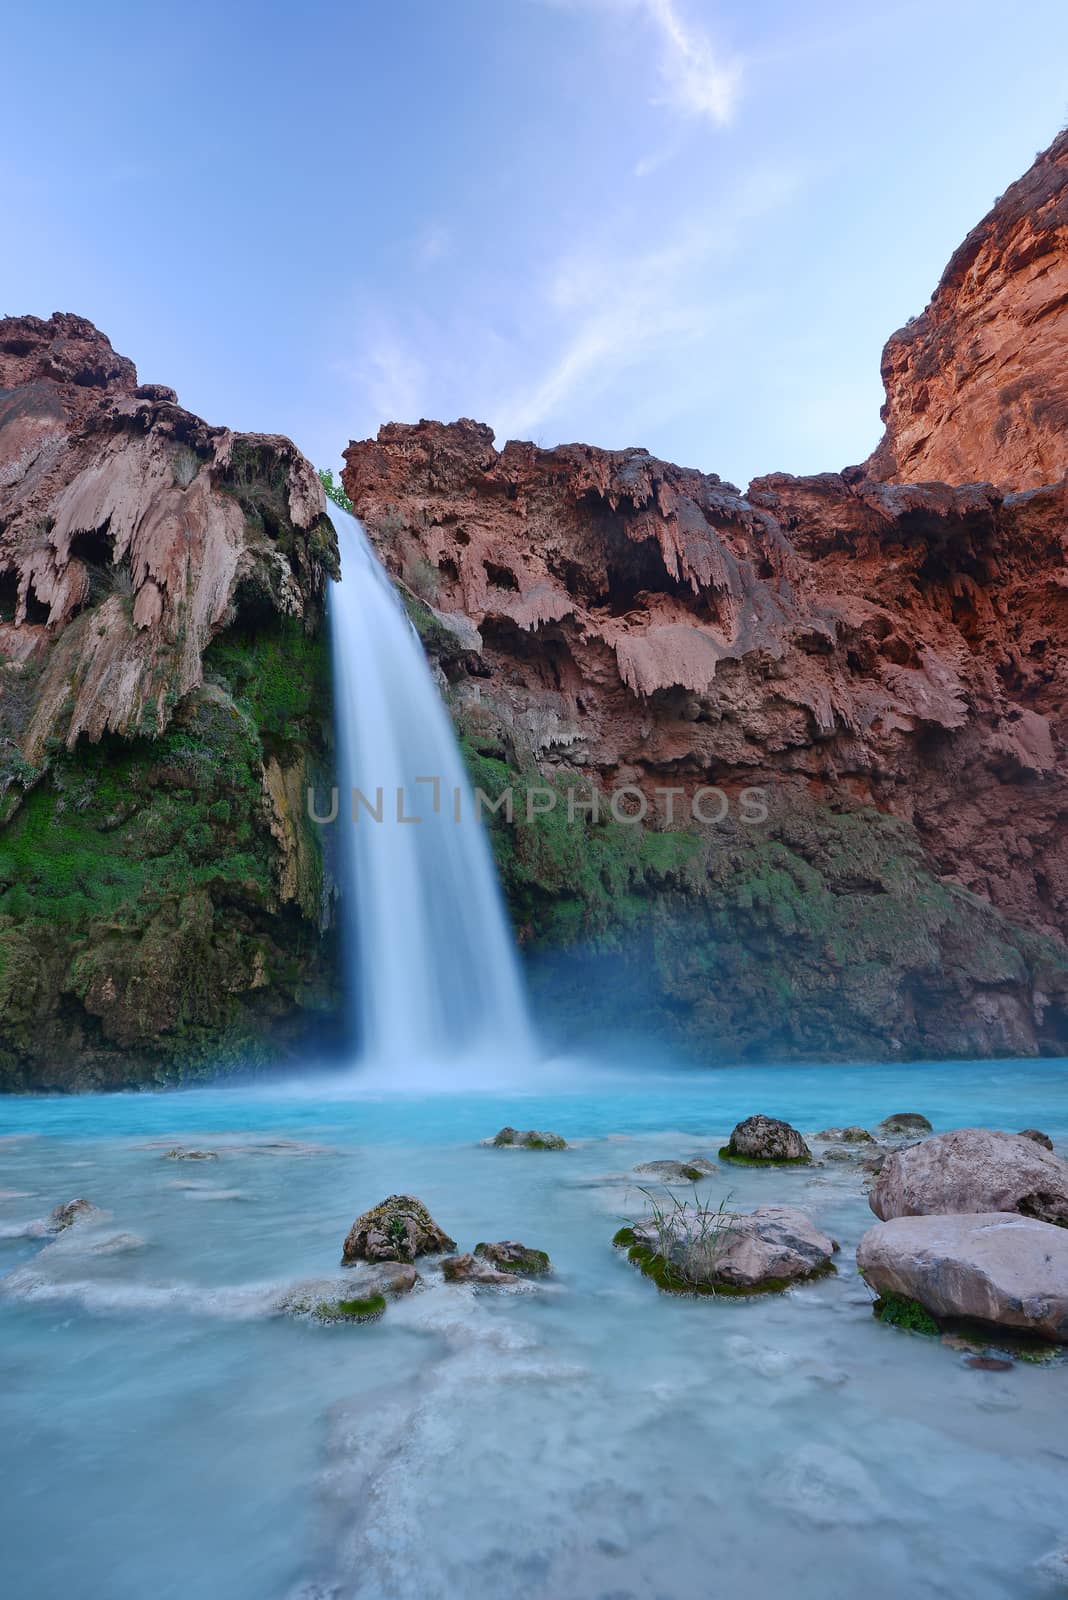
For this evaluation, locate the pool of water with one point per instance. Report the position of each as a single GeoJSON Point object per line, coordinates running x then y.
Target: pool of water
{"type": "Point", "coordinates": [168, 1434]}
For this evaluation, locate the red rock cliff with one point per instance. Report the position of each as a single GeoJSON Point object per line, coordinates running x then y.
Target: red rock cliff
{"type": "Point", "coordinates": [977, 387]}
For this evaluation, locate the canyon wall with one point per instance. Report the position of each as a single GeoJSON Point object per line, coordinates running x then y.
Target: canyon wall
{"type": "Point", "coordinates": [883, 660]}
{"type": "Point", "coordinates": [164, 699]}
{"type": "Point", "coordinates": [975, 387]}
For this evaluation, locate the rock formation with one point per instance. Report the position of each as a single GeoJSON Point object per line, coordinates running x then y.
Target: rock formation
{"type": "Point", "coordinates": [975, 387]}
{"type": "Point", "coordinates": [163, 703]}
{"type": "Point", "coordinates": [838, 700]}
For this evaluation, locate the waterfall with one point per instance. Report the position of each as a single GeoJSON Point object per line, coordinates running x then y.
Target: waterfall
{"type": "Point", "coordinates": [431, 965]}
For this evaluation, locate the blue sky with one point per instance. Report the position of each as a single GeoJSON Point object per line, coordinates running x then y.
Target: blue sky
{"type": "Point", "coordinates": [685, 224]}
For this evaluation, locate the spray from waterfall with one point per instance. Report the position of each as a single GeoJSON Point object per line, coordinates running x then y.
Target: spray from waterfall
{"type": "Point", "coordinates": [431, 965]}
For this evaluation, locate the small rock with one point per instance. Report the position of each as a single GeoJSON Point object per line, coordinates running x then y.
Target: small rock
{"type": "Point", "coordinates": [178, 1154]}
{"type": "Point", "coordinates": [508, 1255]}
{"type": "Point", "coordinates": [467, 1268]}
{"type": "Point", "coordinates": [677, 1171]}
{"type": "Point", "coordinates": [988, 1363]}
{"type": "Point", "coordinates": [973, 1170]}
{"type": "Point", "coordinates": [852, 1135]}
{"type": "Point", "coordinates": [72, 1214]}
{"type": "Point", "coordinates": [528, 1139]}
{"type": "Point", "coordinates": [1039, 1138]}
{"type": "Point", "coordinates": [765, 1140]}
{"type": "Point", "coordinates": [397, 1229]}
{"type": "Point", "coordinates": [905, 1122]}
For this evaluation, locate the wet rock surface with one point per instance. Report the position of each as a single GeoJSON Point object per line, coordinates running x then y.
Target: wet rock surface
{"type": "Point", "coordinates": [690, 1171]}
{"type": "Point", "coordinates": [508, 1255]}
{"type": "Point", "coordinates": [73, 1213]}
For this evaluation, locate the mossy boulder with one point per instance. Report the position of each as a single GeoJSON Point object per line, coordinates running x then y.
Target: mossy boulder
{"type": "Point", "coordinates": [527, 1139]}
{"type": "Point", "coordinates": [905, 1124]}
{"type": "Point", "coordinates": [694, 1250]}
{"type": "Point", "coordinates": [399, 1228]}
{"type": "Point", "coordinates": [762, 1141]}
{"type": "Point", "coordinates": [508, 1255]}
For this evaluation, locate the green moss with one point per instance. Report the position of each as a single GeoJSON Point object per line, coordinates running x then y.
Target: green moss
{"type": "Point", "coordinates": [532, 1263]}
{"type": "Point", "coordinates": [897, 1311]}
{"type": "Point", "coordinates": [367, 1310]}
{"type": "Point", "coordinates": [725, 1154]}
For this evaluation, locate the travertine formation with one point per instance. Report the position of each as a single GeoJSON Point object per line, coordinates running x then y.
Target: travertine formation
{"type": "Point", "coordinates": [164, 905]}
{"type": "Point", "coordinates": [973, 1169]}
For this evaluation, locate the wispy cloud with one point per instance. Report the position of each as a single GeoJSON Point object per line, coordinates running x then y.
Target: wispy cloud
{"type": "Point", "coordinates": [434, 243]}
{"type": "Point", "coordinates": [696, 78]}
{"type": "Point", "coordinates": [698, 81]}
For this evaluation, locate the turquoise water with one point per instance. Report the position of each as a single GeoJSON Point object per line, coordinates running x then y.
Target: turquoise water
{"type": "Point", "coordinates": [168, 1434]}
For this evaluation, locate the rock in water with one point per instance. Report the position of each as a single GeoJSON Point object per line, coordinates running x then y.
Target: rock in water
{"type": "Point", "coordinates": [397, 1229]}
{"type": "Point", "coordinates": [73, 1213]}
{"type": "Point", "coordinates": [354, 1297]}
{"type": "Point", "coordinates": [905, 1122]}
{"type": "Point", "coordinates": [1039, 1138]}
{"type": "Point", "coordinates": [467, 1268]}
{"type": "Point", "coordinates": [993, 1267]}
{"type": "Point", "coordinates": [973, 1170]}
{"type": "Point", "coordinates": [677, 1171]}
{"type": "Point", "coordinates": [693, 1251]}
{"type": "Point", "coordinates": [508, 1255]}
{"type": "Point", "coordinates": [759, 1140]}
{"type": "Point", "coordinates": [528, 1139]}
{"type": "Point", "coordinates": [851, 1135]}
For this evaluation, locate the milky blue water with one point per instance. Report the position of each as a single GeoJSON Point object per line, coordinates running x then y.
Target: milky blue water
{"type": "Point", "coordinates": [168, 1433]}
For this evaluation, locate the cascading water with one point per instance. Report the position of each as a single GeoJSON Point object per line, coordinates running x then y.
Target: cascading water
{"type": "Point", "coordinates": [432, 967]}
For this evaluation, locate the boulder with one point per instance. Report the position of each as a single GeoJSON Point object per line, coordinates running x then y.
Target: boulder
{"type": "Point", "coordinates": [508, 1255]}
{"type": "Point", "coordinates": [528, 1139]}
{"type": "Point", "coordinates": [764, 1140]}
{"type": "Point", "coordinates": [397, 1229]}
{"type": "Point", "coordinates": [993, 1267]}
{"type": "Point", "coordinates": [692, 1250]}
{"type": "Point", "coordinates": [677, 1171]}
{"type": "Point", "coordinates": [905, 1123]}
{"type": "Point", "coordinates": [852, 1135]}
{"type": "Point", "coordinates": [72, 1214]}
{"type": "Point", "coordinates": [1039, 1138]}
{"type": "Point", "coordinates": [971, 1170]}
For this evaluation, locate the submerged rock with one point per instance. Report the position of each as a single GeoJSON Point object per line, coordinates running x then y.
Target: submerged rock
{"type": "Point", "coordinates": [764, 1141]}
{"type": "Point", "coordinates": [468, 1268]}
{"type": "Point", "coordinates": [178, 1154]}
{"type": "Point", "coordinates": [692, 1250]}
{"type": "Point", "coordinates": [397, 1229]}
{"type": "Point", "coordinates": [72, 1214]}
{"type": "Point", "coordinates": [973, 1170]}
{"type": "Point", "coordinates": [508, 1255]}
{"type": "Point", "coordinates": [992, 1267]}
{"type": "Point", "coordinates": [691, 1171]}
{"type": "Point", "coordinates": [905, 1122]}
{"type": "Point", "coordinates": [1039, 1138]}
{"type": "Point", "coordinates": [852, 1135]}
{"type": "Point", "coordinates": [528, 1139]}
{"type": "Point", "coordinates": [356, 1297]}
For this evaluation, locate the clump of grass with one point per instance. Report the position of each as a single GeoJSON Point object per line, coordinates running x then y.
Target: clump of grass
{"type": "Point", "coordinates": [688, 1239]}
